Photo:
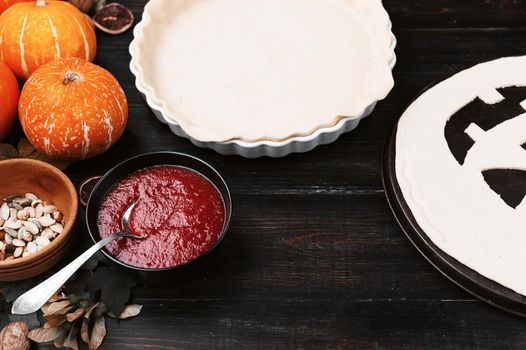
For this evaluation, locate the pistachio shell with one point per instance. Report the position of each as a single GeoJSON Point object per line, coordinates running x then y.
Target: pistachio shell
{"type": "Point", "coordinates": [24, 202]}
{"type": "Point", "coordinates": [32, 247]}
{"type": "Point", "coordinates": [23, 215]}
{"type": "Point", "coordinates": [14, 224]}
{"type": "Point", "coordinates": [11, 232]}
{"type": "Point", "coordinates": [57, 228]}
{"type": "Point", "coordinates": [4, 212]}
{"type": "Point", "coordinates": [19, 243]}
{"type": "Point", "coordinates": [32, 227]}
{"type": "Point", "coordinates": [21, 231]}
{"type": "Point", "coordinates": [39, 210]}
{"type": "Point", "coordinates": [46, 220]}
{"type": "Point", "coordinates": [18, 252]}
{"type": "Point", "coordinates": [41, 241]}
{"type": "Point", "coordinates": [31, 197]}
{"type": "Point", "coordinates": [31, 211]}
{"type": "Point", "coordinates": [48, 209]}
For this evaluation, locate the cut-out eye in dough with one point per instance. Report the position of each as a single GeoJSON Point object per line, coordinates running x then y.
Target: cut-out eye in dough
{"type": "Point", "coordinates": [509, 184]}
{"type": "Point", "coordinates": [486, 116]}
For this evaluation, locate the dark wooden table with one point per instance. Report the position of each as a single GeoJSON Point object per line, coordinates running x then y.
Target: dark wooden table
{"type": "Point", "coordinates": [314, 258]}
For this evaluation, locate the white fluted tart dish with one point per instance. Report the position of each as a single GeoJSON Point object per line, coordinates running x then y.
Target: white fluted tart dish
{"type": "Point", "coordinates": [263, 77]}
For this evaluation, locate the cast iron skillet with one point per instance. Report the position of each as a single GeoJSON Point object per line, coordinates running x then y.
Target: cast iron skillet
{"type": "Point", "coordinates": [139, 162]}
{"type": "Point", "coordinates": [468, 279]}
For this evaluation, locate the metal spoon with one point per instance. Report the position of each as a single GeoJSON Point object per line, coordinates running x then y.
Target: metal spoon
{"type": "Point", "coordinates": [35, 298]}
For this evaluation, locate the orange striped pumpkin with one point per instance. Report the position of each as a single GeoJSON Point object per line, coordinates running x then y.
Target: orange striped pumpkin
{"type": "Point", "coordinates": [34, 33]}
{"type": "Point", "coordinates": [72, 109]}
{"type": "Point", "coordinates": [4, 4]}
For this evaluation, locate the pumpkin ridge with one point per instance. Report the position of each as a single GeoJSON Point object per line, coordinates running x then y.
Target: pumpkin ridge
{"type": "Point", "coordinates": [23, 62]}
{"type": "Point", "coordinates": [86, 47]}
{"type": "Point", "coordinates": [55, 36]}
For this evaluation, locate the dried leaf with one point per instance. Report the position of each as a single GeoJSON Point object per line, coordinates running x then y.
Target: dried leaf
{"type": "Point", "coordinates": [43, 335]}
{"type": "Point", "coordinates": [25, 148]}
{"type": "Point", "coordinates": [131, 310]}
{"type": "Point", "coordinates": [90, 310]}
{"type": "Point", "coordinates": [84, 331]}
{"type": "Point", "coordinates": [61, 164]}
{"type": "Point", "coordinates": [71, 340]}
{"type": "Point", "coordinates": [55, 321]}
{"type": "Point", "coordinates": [75, 315]}
{"type": "Point", "coordinates": [7, 151]}
{"type": "Point", "coordinates": [115, 287]}
{"type": "Point", "coordinates": [59, 342]}
{"type": "Point", "coordinates": [57, 307]}
{"type": "Point", "coordinates": [98, 333]}
{"type": "Point", "coordinates": [65, 310]}
{"type": "Point", "coordinates": [45, 308]}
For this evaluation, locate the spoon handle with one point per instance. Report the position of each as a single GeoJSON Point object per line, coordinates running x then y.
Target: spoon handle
{"type": "Point", "coordinates": [35, 298]}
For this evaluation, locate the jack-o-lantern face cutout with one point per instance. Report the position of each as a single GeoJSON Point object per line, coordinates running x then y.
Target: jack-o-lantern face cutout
{"type": "Point", "coordinates": [487, 123]}
{"type": "Point", "coordinates": [461, 168]}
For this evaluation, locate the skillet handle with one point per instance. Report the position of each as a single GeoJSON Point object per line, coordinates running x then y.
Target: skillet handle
{"type": "Point", "coordinates": [85, 188]}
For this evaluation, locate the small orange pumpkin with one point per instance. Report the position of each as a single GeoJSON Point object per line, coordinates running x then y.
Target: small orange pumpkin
{"type": "Point", "coordinates": [9, 93]}
{"type": "Point", "coordinates": [34, 33]}
{"type": "Point", "coordinates": [4, 4]}
{"type": "Point", "coordinates": [72, 109]}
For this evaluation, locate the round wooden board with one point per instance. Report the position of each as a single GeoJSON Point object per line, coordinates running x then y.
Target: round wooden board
{"type": "Point", "coordinates": [468, 279]}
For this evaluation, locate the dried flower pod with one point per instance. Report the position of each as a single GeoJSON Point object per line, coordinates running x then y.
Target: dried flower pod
{"type": "Point", "coordinates": [14, 337]}
{"type": "Point", "coordinates": [113, 18]}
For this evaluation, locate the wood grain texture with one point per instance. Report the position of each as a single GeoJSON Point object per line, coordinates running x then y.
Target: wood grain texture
{"type": "Point", "coordinates": [314, 258]}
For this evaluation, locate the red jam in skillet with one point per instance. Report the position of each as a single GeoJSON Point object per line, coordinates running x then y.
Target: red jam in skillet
{"type": "Point", "coordinates": [180, 212]}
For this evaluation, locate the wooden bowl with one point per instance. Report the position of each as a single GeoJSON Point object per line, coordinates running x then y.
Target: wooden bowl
{"type": "Point", "coordinates": [49, 184]}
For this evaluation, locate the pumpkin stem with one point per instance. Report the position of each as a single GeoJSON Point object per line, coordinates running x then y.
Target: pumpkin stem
{"type": "Point", "coordinates": [71, 77]}
{"type": "Point", "coordinates": [41, 3]}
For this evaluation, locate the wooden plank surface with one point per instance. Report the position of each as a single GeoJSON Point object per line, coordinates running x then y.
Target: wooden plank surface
{"type": "Point", "coordinates": [314, 258]}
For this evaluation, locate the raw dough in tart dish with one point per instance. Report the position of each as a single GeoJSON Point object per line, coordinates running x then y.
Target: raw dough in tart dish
{"type": "Point", "coordinates": [255, 70]}
{"type": "Point", "coordinates": [441, 172]}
